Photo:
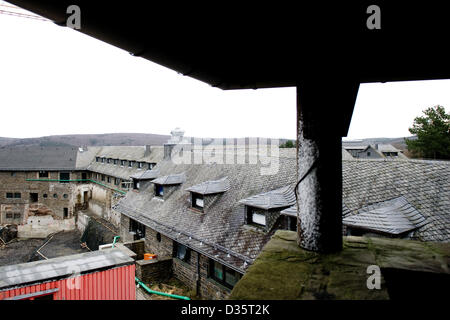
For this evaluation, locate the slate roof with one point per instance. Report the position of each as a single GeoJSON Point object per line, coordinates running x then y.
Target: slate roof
{"type": "Point", "coordinates": [220, 232]}
{"type": "Point", "coordinates": [133, 153]}
{"type": "Point", "coordinates": [211, 187]}
{"type": "Point", "coordinates": [424, 184]}
{"type": "Point", "coordinates": [146, 175]}
{"type": "Point", "coordinates": [38, 158]}
{"type": "Point", "coordinates": [279, 198]}
{"type": "Point", "coordinates": [395, 216]}
{"type": "Point", "coordinates": [171, 179]}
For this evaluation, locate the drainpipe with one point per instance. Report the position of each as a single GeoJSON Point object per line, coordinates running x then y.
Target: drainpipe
{"type": "Point", "coordinates": [197, 287]}
{"type": "Point", "coordinates": [159, 292]}
{"type": "Point", "coordinates": [114, 241]}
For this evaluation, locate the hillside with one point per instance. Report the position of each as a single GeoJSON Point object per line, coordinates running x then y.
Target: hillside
{"type": "Point", "coordinates": [108, 139]}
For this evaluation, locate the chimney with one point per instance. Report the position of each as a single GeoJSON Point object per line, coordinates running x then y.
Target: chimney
{"type": "Point", "coordinates": [148, 149]}
{"type": "Point", "coordinates": [168, 150]}
{"type": "Point", "coordinates": [177, 139]}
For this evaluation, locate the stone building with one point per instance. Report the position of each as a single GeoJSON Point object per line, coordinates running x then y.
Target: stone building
{"type": "Point", "coordinates": [213, 219]}
{"type": "Point", "coordinates": [42, 188]}
{"type": "Point", "coordinates": [374, 151]}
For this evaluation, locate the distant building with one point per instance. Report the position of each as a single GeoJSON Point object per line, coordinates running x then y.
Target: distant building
{"type": "Point", "coordinates": [375, 151]}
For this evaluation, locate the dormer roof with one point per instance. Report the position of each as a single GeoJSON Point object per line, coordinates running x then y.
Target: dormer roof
{"type": "Point", "coordinates": [211, 187]}
{"type": "Point", "coordinates": [395, 216]}
{"type": "Point", "coordinates": [171, 179]}
{"type": "Point", "coordinates": [279, 198]}
{"type": "Point", "coordinates": [146, 175]}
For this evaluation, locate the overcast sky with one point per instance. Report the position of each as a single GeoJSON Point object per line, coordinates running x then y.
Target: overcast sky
{"type": "Point", "coordinates": [54, 80]}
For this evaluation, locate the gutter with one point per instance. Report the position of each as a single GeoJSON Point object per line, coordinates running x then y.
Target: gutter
{"type": "Point", "coordinates": [78, 180]}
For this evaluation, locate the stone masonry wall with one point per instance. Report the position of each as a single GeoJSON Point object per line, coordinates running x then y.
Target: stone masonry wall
{"type": "Point", "coordinates": [184, 271]}
{"type": "Point", "coordinates": [53, 197]}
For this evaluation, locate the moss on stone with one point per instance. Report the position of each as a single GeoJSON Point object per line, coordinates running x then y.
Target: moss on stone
{"type": "Point", "coordinates": [285, 271]}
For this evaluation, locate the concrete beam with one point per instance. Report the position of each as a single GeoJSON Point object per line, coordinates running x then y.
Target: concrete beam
{"type": "Point", "coordinates": [323, 116]}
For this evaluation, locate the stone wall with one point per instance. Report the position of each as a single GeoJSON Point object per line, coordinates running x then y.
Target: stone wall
{"type": "Point", "coordinates": [52, 197]}
{"type": "Point", "coordinates": [154, 270]}
{"type": "Point", "coordinates": [184, 271]}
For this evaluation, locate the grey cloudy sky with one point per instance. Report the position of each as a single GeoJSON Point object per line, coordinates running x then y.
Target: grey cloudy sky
{"type": "Point", "coordinates": [54, 80]}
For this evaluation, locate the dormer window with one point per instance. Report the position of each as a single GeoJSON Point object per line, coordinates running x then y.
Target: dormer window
{"type": "Point", "coordinates": [202, 191]}
{"type": "Point", "coordinates": [97, 159]}
{"type": "Point", "coordinates": [108, 160]}
{"type": "Point", "coordinates": [122, 163]}
{"type": "Point", "coordinates": [257, 218]}
{"type": "Point", "coordinates": [263, 210]}
{"type": "Point", "coordinates": [116, 161]}
{"type": "Point", "coordinates": [103, 160]}
{"type": "Point", "coordinates": [151, 165]}
{"type": "Point", "coordinates": [159, 190]}
{"type": "Point", "coordinates": [130, 163]}
{"type": "Point", "coordinates": [139, 165]}
{"type": "Point", "coordinates": [197, 201]}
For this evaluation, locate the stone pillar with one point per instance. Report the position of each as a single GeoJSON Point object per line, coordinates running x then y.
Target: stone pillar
{"type": "Point", "coordinates": [322, 120]}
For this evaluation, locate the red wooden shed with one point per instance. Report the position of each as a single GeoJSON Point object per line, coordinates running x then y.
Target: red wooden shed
{"type": "Point", "coordinates": [98, 275]}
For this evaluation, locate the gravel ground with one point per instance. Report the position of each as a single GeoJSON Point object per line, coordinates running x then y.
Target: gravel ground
{"type": "Point", "coordinates": [62, 244]}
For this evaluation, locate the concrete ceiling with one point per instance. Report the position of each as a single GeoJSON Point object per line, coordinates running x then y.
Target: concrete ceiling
{"type": "Point", "coordinates": [232, 46]}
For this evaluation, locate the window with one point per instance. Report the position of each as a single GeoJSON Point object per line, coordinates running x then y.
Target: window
{"type": "Point", "coordinates": [65, 176]}
{"type": "Point", "coordinates": [197, 201]}
{"type": "Point", "coordinates": [368, 153]}
{"type": "Point", "coordinates": [33, 197]}
{"type": "Point", "coordinates": [151, 165]}
{"type": "Point", "coordinates": [135, 184]}
{"type": "Point", "coordinates": [291, 223]}
{"type": "Point", "coordinates": [103, 160]}
{"type": "Point", "coordinates": [65, 195]}
{"type": "Point", "coordinates": [109, 179]}
{"type": "Point", "coordinates": [9, 195]}
{"type": "Point", "coordinates": [45, 195]}
{"type": "Point", "coordinates": [13, 174]}
{"type": "Point", "coordinates": [116, 181]}
{"type": "Point", "coordinates": [108, 160]}
{"type": "Point", "coordinates": [66, 212]}
{"type": "Point", "coordinates": [17, 195]}
{"type": "Point", "coordinates": [259, 219]}
{"type": "Point", "coordinates": [116, 161]}
{"type": "Point", "coordinates": [103, 177]}
{"type": "Point", "coordinates": [181, 252]}
{"type": "Point", "coordinates": [43, 174]}
{"type": "Point", "coordinates": [17, 215]}
{"type": "Point", "coordinates": [122, 162]}
{"type": "Point", "coordinates": [9, 215]}
{"type": "Point", "coordinates": [255, 218]}
{"type": "Point", "coordinates": [138, 229]}
{"type": "Point", "coordinates": [224, 275]}
{"type": "Point", "coordinates": [55, 195]}
{"type": "Point", "coordinates": [139, 165]}
{"type": "Point", "coordinates": [158, 237]}
{"type": "Point", "coordinates": [130, 163]}
{"type": "Point", "coordinates": [97, 159]}
{"type": "Point", "coordinates": [159, 190]}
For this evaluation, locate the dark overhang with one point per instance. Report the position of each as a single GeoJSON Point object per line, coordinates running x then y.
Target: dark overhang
{"type": "Point", "coordinates": [233, 46]}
